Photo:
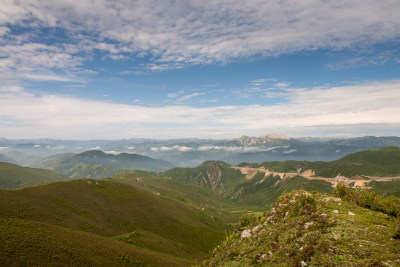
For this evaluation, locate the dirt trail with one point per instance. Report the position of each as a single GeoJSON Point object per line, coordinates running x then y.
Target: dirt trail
{"type": "Point", "coordinates": [355, 181]}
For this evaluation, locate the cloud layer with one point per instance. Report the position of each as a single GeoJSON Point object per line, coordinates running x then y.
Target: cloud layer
{"type": "Point", "coordinates": [63, 34]}
{"type": "Point", "coordinates": [24, 114]}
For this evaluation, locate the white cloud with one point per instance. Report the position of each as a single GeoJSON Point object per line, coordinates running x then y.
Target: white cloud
{"type": "Point", "coordinates": [238, 148]}
{"type": "Point", "coordinates": [170, 148]}
{"type": "Point", "coordinates": [175, 33]}
{"type": "Point", "coordinates": [48, 77]}
{"type": "Point", "coordinates": [189, 96]}
{"type": "Point", "coordinates": [27, 115]}
{"type": "Point", "coordinates": [289, 151]}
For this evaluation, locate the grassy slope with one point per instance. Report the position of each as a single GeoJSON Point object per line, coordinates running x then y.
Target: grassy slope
{"type": "Point", "coordinates": [13, 176]}
{"type": "Point", "coordinates": [387, 188]}
{"type": "Point", "coordinates": [193, 196]}
{"type": "Point", "coordinates": [264, 194]}
{"type": "Point", "coordinates": [124, 161]}
{"type": "Point", "coordinates": [200, 176]}
{"type": "Point", "coordinates": [373, 162]}
{"type": "Point", "coordinates": [109, 209]}
{"type": "Point", "coordinates": [256, 193]}
{"type": "Point", "coordinates": [68, 165]}
{"type": "Point", "coordinates": [315, 229]}
{"type": "Point", "coordinates": [28, 243]}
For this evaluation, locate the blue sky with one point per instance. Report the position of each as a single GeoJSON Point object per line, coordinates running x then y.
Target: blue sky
{"type": "Point", "coordinates": [206, 69]}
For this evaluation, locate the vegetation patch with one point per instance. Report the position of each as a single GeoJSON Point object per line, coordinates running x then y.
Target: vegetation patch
{"type": "Point", "coordinates": [311, 229]}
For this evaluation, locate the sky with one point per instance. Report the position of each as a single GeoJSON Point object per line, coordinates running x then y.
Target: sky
{"type": "Point", "coordinates": [167, 69]}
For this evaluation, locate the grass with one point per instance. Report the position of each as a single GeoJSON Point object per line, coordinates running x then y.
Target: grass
{"type": "Point", "coordinates": [28, 243]}
{"type": "Point", "coordinates": [13, 176]}
{"type": "Point", "coordinates": [373, 162]}
{"type": "Point", "coordinates": [68, 165]}
{"type": "Point", "coordinates": [312, 229]}
{"type": "Point", "coordinates": [199, 198]}
{"type": "Point", "coordinates": [109, 209]}
{"type": "Point", "coordinates": [215, 175]}
{"type": "Point", "coordinates": [386, 188]}
{"type": "Point", "coordinates": [370, 200]}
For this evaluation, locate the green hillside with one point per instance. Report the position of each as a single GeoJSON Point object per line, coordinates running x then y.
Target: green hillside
{"type": "Point", "coordinates": [373, 162]}
{"type": "Point", "coordinates": [97, 164]}
{"type": "Point", "coordinates": [112, 209]}
{"type": "Point", "coordinates": [29, 243]}
{"type": "Point", "coordinates": [255, 193]}
{"type": "Point", "coordinates": [123, 161]}
{"type": "Point", "coordinates": [263, 191]}
{"type": "Point", "coordinates": [223, 211]}
{"type": "Point", "coordinates": [68, 165]}
{"type": "Point", "coordinates": [13, 176]}
{"type": "Point", "coordinates": [313, 229]}
{"type": "Point", "coordinates": [215, 175]}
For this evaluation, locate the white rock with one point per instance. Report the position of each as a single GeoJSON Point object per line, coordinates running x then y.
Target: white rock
{"type": "Point", "coordinates": [334, 199]}
{"type": "Point", "coordinates": [245, 234]}
{"type": "Point", "coordinates": [308, 224]}
{"type": "Point", "coordinates": [302, 263]}
{"type": "Point", "coordinates": [255, 229]}
{"type": "Point", "coordinates": [335, 211]}
{"type": "Point", "coordinates": [350, 213]}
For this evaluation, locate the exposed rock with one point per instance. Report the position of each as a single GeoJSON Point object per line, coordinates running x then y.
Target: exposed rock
{"type": "Point", "coordinates": [214, 175]}
{"type": "Point", "coordinates": [245, 234]}
{"type": "Point", "coordinates": [334, 199]}
{"type": "Point", "coordinates": [308, 224]}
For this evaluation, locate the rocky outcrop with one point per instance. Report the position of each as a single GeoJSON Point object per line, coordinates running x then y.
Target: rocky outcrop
{"type": "Point", "coordinates": [214, 176]}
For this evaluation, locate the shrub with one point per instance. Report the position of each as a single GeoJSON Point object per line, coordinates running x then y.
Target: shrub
{"type": "Point", "coordinates": [369, 200]}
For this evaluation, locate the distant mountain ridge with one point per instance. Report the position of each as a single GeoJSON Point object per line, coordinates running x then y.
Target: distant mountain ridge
{"type": "Point", "coordinates": [127, 161]}
{"type": "Point", "coordinates": [96, 164]}
{"type": "Point", "coordinates": [191, 152]}
{"type": "Point", "coordinates": [265, 139]}
{"type": "Point", "coordinates": [262, 183]}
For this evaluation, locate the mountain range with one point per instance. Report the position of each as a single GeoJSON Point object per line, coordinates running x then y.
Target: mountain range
{"type": "Point", "coordinates": [192, 152]}
{"type": "Point", "coordinates": [177, 216]}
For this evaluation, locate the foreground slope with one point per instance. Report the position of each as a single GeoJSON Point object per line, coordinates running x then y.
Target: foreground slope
{"type": "Point", "coordinates": [13, 176]}
{"type": "Point", "coordinates": [110, 209]}
{"type": "Point", "coordinates": [313, 229]}
{"type": "Point", "coordinates": [29, 243]}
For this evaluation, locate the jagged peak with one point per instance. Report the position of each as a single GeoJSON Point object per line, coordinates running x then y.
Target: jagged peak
{"type": "Point", "coordinates": [275, 136]}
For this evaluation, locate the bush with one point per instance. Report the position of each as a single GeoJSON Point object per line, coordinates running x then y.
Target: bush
{"type": "Point", "coordinates": [246, 219]}
{"type": "Point", "coordinates": [369, 200]}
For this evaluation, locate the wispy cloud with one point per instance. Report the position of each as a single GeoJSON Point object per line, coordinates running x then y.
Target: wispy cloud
{"type": "Point", "coordinates": [49, 77]}
{"type": "Point", "coordinates": [181, 96]}
{"type": "Point", "coordinates": [351, 106]}
{"type": "Point", "coordinates": [176, 33]}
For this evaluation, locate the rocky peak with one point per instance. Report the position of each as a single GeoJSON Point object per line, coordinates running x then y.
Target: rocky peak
{"type": "Point", "coordinates": [272, 136]}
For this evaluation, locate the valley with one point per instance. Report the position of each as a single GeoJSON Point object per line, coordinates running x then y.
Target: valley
{"type": "Point", "coordinates": [171, 216]}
